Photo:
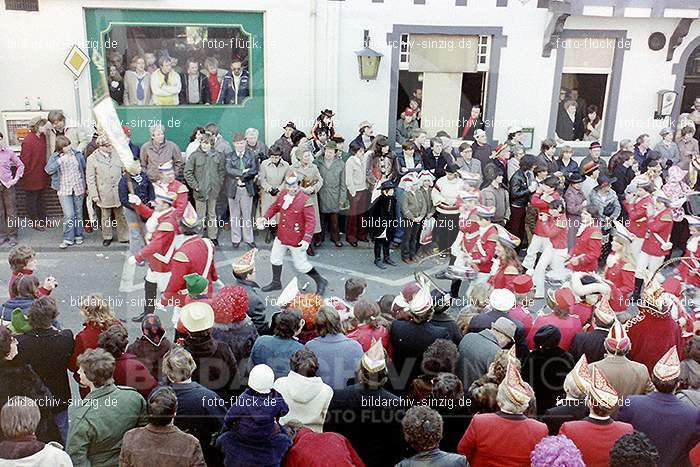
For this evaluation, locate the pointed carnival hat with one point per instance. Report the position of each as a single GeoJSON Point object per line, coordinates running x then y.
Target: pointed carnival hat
{"type": "Point", "coordinates": [424, 175]}
{"type": "Point", "coordinates": [668, 367]}
{"type": "Point", "coordinates": [604, 313]}
{"type": "Point", "coordinates": [341, 306]}
{"type": "Point", "coordinates": [374, 359]}
{"type": "Point", "coordinates": [617, 339]}
{"type": "Point", "coordinates": [408, 180]}
{"type": "Point", "coordinates": [166, 167]}
{"type": "Point", "coordinates": [506, 237]}
{"type": "Point", "coordinates": [602, 393]}
{"type": "Point", "coordinates": [581, 374]}
{"type": "Point", "coordinates": [289, 293]}
{"type": "Point", "coordinates": [415, 298]}
{"type": "Point", "coordinates": [189, 218]}
{"type": "Point", "coordinates": [245, 263]}
{"type": "Point", "coordinates": [517, 391]}
{"type": "Point", "coordinates": [164, 195]}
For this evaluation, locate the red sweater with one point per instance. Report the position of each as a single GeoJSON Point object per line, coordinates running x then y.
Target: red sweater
{"type": "Point", "coordinates": [568, 326]}
{"type": "Point", "coordinates": [542, 206]}
{"type": "Point", "coordinates": [129, 371]}
{"type": "Point", "coordinates": [311, 449]}
{"type": "Point", "coordinates": [33, 156]}
{"type": "Point", "coordinates": [595, 438]}
{"type": "Point", "coordinates": [484, 443]}
{"type": "Point", "coordinates": [364, 334]}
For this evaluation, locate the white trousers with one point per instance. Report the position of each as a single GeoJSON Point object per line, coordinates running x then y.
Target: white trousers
{"type": "Point", "coordinates": [299, 257]}
{"type": "Point", "coordinates": [647, 265]}
{"type": "Point", "coordinates": [537, 245]}
{"type": "Point", "coordinates": [636, 247]}
{"type": "Point", "coordinates": [555, 259]}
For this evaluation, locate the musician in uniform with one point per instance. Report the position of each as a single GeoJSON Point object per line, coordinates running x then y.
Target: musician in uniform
{"type": "Point", "coordinates": [689, 269]}
{"type": "Point", "coordinates": [168, 183]}
{"type": "Point", "coordinates": [636, 204]}
{"type": "Point", "coordinates": [584, 256]}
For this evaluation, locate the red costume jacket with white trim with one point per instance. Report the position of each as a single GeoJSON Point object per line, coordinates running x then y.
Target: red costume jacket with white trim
{"type": "Point", "coordinates": [297, 221]}
{"type": "Point", "coordinates": [637, 212]}
{"type": "Point", "coordinates": [158, 250]}
{"type": "Point", "coordinates": [587, 249]}
{"type": "Point", "coordinates": [504, 275]}
{"type": "Point", "coordinates": [557, 230]}
{"type": "Point", "coordinates": [481, 246]}
{"type": "Point", "coordinates": [522, 314]}
{"type": "Point", "coordinates": [181, 201]}
{"type": "Point", "coordinates": [659, 232]}
{"type": "Point", "coordinates": [689, 269]}
{"type": "Point", "coordinates": [621, 276]}
{"type": "Point", "coordinates": [190, 257]}
{"type": "Point", "coordinates": [584, 311]}
{"type": "Point", "coordinates": [542, 206]}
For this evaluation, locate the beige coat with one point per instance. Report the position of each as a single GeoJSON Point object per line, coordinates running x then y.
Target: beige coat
{"type": "Point", "coordinates": [271, 176]}
{"type": "Point", "coordinates": [311, 174]}
{"type": "Point", "coordinates": [79, 139]}
{"type": "Point", "coordinates": [627, 377]}
{"type": "Point", "coordinates": [355, 176]}
{"type": "Point", "coordinates": [102, 174]}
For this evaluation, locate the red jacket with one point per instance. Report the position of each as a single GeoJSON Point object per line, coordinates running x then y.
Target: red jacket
{"type": "Point", "coordinates": [365, 334]}
{"type": "Point", "coordinates": [589, 244]}
{"type": "Point", "coordinates": [621, 275]}
{"type": "Point", "coordinates": [689, 269]}
{"type": "Point", "coordinates": [129, 371]}
{"type": "Point", "coordinates": [158, 251]}
{"type": "Point", "coordinates": [311, 449]}
{"type": "Point", "coordinates": [659, 232]}
{"type": "Point", "coordinates": [33, 156]}
{"type": "Point", "coordinates": [568, 326]}
{"type": "Point", "coordinates": [504, 275]}
{"type": "Point", "coordinates": [482, 247]}
{"type": "Point", "coordinates": [181, 201]}
{"type": "Point", "coordinates": [584, 311]}
{"type": "Point", "coordinates": [652, 336]}
{"type": "Point", "coordinates": [522, 314]}
{"type": "Point", "coordinates": [637, 213]}
{"type": "Point", "coordinates": [297, 221]}
{"type": "Point", "coordinates": [483, 442]}
{"type": "Point", "coordinates": [595, 438]}
{"type": "Point", "coordinates": [542, 206]}
{"type": "Point", "coordinates": [192, 256]}
{"type": "Point", "coordinates": [557, 230]}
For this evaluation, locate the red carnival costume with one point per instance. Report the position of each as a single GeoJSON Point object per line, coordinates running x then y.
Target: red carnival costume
{"type": "Point", "coordinates": [587, 249]}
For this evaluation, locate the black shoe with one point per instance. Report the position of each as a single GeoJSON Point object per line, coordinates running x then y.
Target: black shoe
{"type": "Point", "coordinates": [310, 251]}
{"type": "Point", "coordinates": [442, 275]}
{"type": "Point", "coordinates": [251, 245]}
{"type": "Point", "coordinates": [235, 244]}
{"type": "Point", "coordinates": [215, 242]}
{"type": "Point", "coordinates": [379, 264]}
{"type": "Point", "coordinates": [272, 286]}
{"type": "Point", "coordinates": [139, 318]}
{"type": "Point", "coordinates": [106, 242]}
{"type": "Point", "coordinates": [389, 262]}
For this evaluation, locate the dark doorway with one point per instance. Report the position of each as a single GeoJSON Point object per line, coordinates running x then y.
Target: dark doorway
{"type": "Point", "coordinates": [691, 82]}
{"type": "Point", "coordinates": [472, 94]}
{"type": "Point", "coordinates": [408, 82]}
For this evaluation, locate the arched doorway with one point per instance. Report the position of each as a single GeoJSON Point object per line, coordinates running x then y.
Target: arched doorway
{"type": "Point", "coordinates": [691, 80]}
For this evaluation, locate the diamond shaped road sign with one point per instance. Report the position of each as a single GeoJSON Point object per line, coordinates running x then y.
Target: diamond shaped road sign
{"type": "Point", "coordinates": [76, 61]}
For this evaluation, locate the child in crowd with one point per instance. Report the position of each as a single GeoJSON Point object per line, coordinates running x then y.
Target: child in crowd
{"type": "Point", "coordinates": [22, 260]}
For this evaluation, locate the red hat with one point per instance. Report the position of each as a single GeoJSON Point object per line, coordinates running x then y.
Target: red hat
{"type": "Point", "coordinates": [564, 298]}
{"type": "Point", "coordinates": [522, 284]}
{"type": "Point", "coordinates": [409, 112]}
{"type": "Point", "coordinates": [673, 286]}
{"type": "Point", "coordinates": [230, 304]}
{"type": "Point", "coordinates": [126, 130]}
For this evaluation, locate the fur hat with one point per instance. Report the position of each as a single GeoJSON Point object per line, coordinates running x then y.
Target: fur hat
{"type": "Point", "coordinates": [583, 284]}
{"type": "Point", "coordinates": [230, 304]}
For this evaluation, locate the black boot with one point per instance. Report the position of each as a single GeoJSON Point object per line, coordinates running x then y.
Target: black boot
{"type": "Point", "coordinates": [638, 284]}
{"type": "Point", "coordinates": [454, 288]}
{"type": "Point", "coordinates": [276, 283]}
{"type": "Point", "coordinates": [150, 291]}
{"type": "Point", "coordinates": [321, 283]}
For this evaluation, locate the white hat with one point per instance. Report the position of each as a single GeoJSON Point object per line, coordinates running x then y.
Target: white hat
{"type": "Point", "coordinates": [261, 379]}
{"type": "Point", "coordinates": [514, 129]}
{"type": "Point", "coordinates": [197, 316]}
{"type": "Point", "coordinates": [502, 300]}
{"type": "Point", "coordinates": [374, 360]}
{"type": "Point", "coordinates": [479, 132]}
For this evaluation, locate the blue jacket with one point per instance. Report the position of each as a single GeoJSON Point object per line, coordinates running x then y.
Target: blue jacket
{"type": "Point", "coordinates": [54, 169]}
{"type": "Point", "coordinates": [144, 190]}
{"type": "Point", "coordinates": [9, 306]}
{"type": "Point", "coordinates": [338, 358]}
{"type": "Point", "coordinates": [233, 171]}
{"type": "Point", "coordinates": [401, 163]}
{"type": "Point", "coordinates": [275, 352]}
{"type": "Point", "coordinates": [673, 426]}
{"type": "Point", "coordinates": [229, 95]}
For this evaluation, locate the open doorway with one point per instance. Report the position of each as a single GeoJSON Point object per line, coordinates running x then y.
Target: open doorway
{"type": "Point", "coordinates": [472, 94]}
{"type": "Point", "coordinates": [409, 81]}
{"type": "Point", "coordinates": [588, 91]}
{"type": "Point", "coordinates": [691, 82]}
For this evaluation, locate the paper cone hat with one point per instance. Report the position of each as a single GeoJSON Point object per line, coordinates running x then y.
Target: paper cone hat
{"type": "Point", "coordinates": [581, 374]}
{"type": "Point", "coordinates": [516, 390]}
{"type": "Point", "coordinates": [289, 293]}
{"type": "Point", "coordinates": [189, 217]}
{"type": "Point", "coordinates": [601, 391]}
{"type": "Point", "coordinates": [668, 367]}
{"type": "Point", "coordinates": [374, 360]}
{"type": "Point", "coordinates": [604, 313]}
{"type": "Point", "coordinates": [617, 339]}
{"type": "Point", "coordinates": [245, 263]}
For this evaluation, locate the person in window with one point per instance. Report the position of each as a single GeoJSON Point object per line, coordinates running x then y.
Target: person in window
{"type": "Point", "coordinates": [137, 83]}
{"type": "Point", "coordinates": [668, 149]}
{"type": "Point", "coordinates": [195, 86]}
{"type": "Point", "coordinates": [236, 85]}
{"type": "Point", "coordinates": [215, 76]}
{"type": "Point", "coordinates": [116, 85]}
{"type": "Point", "coordinates": [569, 126]}
{"type": "Point", "coordinates": [591, 124]}
{"type": "Point", "coordinates": [406, 126]}
{"type": "Point", "coordinates": [165, 83]}
{"type": "Point", "coordinates": [473, 123]}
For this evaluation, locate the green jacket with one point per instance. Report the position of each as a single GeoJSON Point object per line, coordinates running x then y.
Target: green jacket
{"type": "Point", "coordinates": [99, 424]}
{"type": "Point", "coordinates": [205, 174]}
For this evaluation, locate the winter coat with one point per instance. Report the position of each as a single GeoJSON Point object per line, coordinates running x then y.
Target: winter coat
{"type": "Point", "coordinates": [202, 85]}
{"type": "Point", "coordinates": [414, 205]}
{"type": "Point", "coordinates": [498, 198]}
{"type": "Point", "coordinates": [311, 449]}
{"type": "Point", "coordinates": [275, 352]}
{"type": "Point", "coordinates": [627, 377]}
{"type": "Point", "coordinates": [256, 307]}
{"type": "Point", "coordinates": [382, 217]}
{"type": "Point", "coordinates": [333, 195]}
{"type": "Point", "coordinates": [253, 436]}
{"type": "Point", "coordinates": [217, 359]}
{"type": "Point", "coordinates": [27, 451]}
{"type": "Point", "coordinates": [33, 156]}
{"type": "Point", "coordinates": [23, 303]}
{"type": "Point", "coordinates": [143, 189]}
{"type": "Point", "coordinates": [153, 155]}
{"type": "Point", "coordinates": [338, 357]}
{"type": "Point", "coordinates": [476, 352]}
{"type": "Point", "coordinates": [286, 146]}
{"type": "Point", "coordinates": [48, 351]}
{"type": "Point", "coordinates": [669, 152]}
{"type": "Point", "coordinates": [310, 174]}
{"type": "Point", "coordinates": [545, 369]}
{"type": "Point", "coordinates": [98, 425]}
{"type": "Point", "coordinates": [409, 340]}
{"type": "Point", "coordinates": [473, 165]}
{"type": "Point", "coordinates": [204, 173]}
{"type": "Point", "coordinates": [355, 175]}
{"type": "Point", "coordinates": [602, 201]}
{"type": "Point", "coordinates": [374, 430]}
{"type": "Point", "coordinates": [229, 94]}
{"type": "Point", "coordinates": [519, 189]}
{"type": "Point", "coordinates": [103, 173]}
{"type": "Point", "coordinates": [485, 320]}
{"type": "Point", "coordinates": [239, 336]}
{"type": "Point", "coordinates": [53, 168]}
{"type": "Point", "coordinates": [149, 354]}
{"type": "Point", "coordinates": [308, 399]}
{"type": "Point", "coordinates": [160, 445]}
{"type": "Point", "coordinates": [129, 371]}
{"type": "Point", "coordinates": [589, 344]}
{"type": "Point", "coordinates": [271, 176]}
{"type": "Point", "coordinates": [200, 412]}
{"type": "Point", "coordinates": [434, 458]}
{"type": "Point", "coordinates": [234, 173]}
{"type": "Point", "coordinates": [405, 131]}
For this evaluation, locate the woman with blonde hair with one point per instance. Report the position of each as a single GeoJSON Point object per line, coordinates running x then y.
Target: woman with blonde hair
{"type": "Point", "coordinates": [98, 316]}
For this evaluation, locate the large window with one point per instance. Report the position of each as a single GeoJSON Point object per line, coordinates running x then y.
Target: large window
{"type": "Point", "coordinates": [178, 65]}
